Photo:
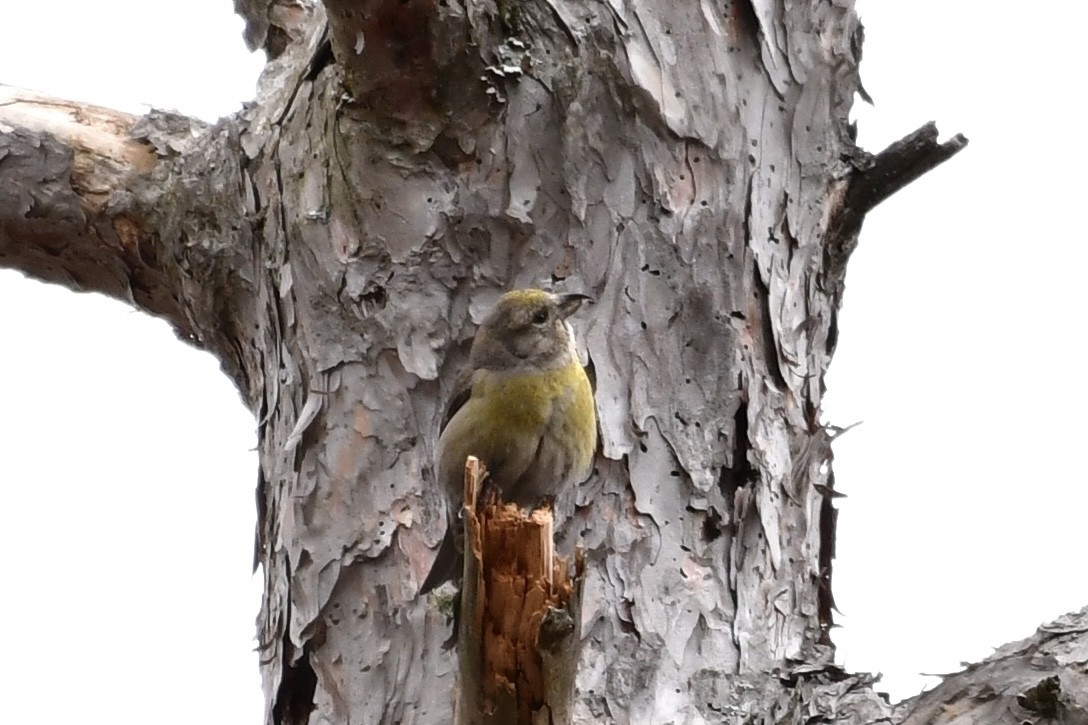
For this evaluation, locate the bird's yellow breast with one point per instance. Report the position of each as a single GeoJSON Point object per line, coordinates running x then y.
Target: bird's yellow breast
{"type": "Point", "coordinates": [528, 400]}
{"type": "Point", "coordinates": [510, 418]}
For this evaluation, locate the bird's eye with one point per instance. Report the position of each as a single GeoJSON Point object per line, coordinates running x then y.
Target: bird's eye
{"type": "Point", "coordinates": [540, 316]}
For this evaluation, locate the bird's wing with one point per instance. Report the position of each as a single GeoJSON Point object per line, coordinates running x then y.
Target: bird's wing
{"type": "Point", "coordinates": [447, 563]}
{"type": "Point", "coordinates": [459, 395]}
{"type": "Point", "coordinates": [506, 452]}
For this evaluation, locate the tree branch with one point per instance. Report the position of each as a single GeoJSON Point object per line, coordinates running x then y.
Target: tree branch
{"type": "Point", "coordinates": [60, 164]}
{"type": "Point", "coordinates": [1041, 678]}
{"type": "Point", "coordinates": [874, 179]}
{"type": "Point", "coordinates": [132, 207]}
{"type": "Point", "coordinates": [878, 177]}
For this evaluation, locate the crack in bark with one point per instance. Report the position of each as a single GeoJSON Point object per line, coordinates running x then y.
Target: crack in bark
{"type": "Point", "coordinates": [825, 597]}
{"type": "Point", "coordinates": [295, 697]}
{"type": "Point", "coordinates": [739, 473]}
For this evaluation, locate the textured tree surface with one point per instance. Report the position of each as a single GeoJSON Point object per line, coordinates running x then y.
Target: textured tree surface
{"type": "Point", "coordinates": [1041, 679]}
{"type": "Point", "coordinates": [689, 165]}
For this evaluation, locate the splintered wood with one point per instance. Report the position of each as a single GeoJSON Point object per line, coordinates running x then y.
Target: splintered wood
{"type": "Point", "coordinates": [512, 581]}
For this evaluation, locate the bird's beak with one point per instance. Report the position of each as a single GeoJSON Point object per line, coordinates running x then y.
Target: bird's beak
{"type": "Point", "coordinates": [569, 303]}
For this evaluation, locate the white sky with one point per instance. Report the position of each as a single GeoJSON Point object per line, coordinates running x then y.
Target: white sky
{"type": "Point", "coordinates": [128, 516]}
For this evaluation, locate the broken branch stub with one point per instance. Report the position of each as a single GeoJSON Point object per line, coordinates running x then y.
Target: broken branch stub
{"type": "Point", "coordinates": [519, 611]}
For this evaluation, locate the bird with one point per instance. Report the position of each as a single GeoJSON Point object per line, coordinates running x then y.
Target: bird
{"type": "Point", "coordinates": [524, 407]}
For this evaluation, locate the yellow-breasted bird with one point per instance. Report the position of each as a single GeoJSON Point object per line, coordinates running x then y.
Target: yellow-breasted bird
{"type": "Point", "coordinates": [526, 412]}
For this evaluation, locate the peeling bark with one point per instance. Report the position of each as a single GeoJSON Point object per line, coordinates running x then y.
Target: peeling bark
{"type": "Point", "coordinates": [101, 201]}
{"type": "Point", "coordinates": [336, 243]}
{"type": "Point", "coordinates": [1041, 679]}
{"type": "Point", "coordinates": [62, 162]}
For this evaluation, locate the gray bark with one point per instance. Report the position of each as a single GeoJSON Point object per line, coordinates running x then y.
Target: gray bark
{"type": "Point", "coordinates": [691, 166]}
{"type": "Point", "coordinates": [1040, 679]}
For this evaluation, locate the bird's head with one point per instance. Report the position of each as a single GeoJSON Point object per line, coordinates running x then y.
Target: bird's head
{"type": "Point", "coordinates": [527, 330]}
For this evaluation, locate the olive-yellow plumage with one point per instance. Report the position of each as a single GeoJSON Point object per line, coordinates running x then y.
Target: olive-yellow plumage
{"type": "Point", "coordinates": [529, 415]}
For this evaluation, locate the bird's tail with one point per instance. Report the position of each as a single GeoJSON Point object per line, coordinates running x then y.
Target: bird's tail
{"type": "Point", "coordinates": [447, 564]}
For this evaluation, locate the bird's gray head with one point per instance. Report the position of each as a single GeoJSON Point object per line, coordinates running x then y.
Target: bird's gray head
{"type": "Point", "coordinates": [526, 330]}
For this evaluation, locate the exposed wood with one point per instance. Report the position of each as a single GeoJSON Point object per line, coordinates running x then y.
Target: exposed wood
{"type": "Point", "coordinates": [512, 670]}
{"type": "Point", "coordinates": [104, 148]}
{"type": "Point", "coordinates": [470, 634]}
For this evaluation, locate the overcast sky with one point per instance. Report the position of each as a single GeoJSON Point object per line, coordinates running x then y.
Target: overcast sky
{"type": "Point", "coordinates": [128, 466]}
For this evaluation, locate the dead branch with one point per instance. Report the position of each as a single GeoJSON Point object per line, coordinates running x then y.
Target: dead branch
{"type": "Point", "coordinates": [878, 177]}
{"type": "Point", "coordinates": [520, 604]}
{"type": "Point", "coordinates": [61, 163]}
{"type": "Point", "coordinates": [134, 208]}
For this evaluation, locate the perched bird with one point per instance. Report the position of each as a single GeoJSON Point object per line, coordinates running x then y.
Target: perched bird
{"type": "Point", "coordinates": [526, 412]}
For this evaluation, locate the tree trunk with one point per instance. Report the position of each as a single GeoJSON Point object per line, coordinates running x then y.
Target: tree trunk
{"type": "Point", "coordinates": [690, 166]}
